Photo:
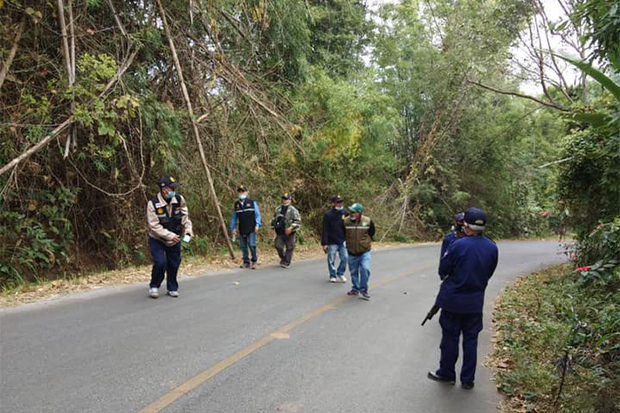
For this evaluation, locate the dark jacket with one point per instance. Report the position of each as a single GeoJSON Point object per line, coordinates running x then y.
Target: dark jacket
{"type": "Point", "coordinates": [333, 227]}
{"type": "Point", "coordinates": [449, 239]}
{"type": "Point", "coordinates": [468, 264]}
{"type": "Point", "coordinates": [359, 235]}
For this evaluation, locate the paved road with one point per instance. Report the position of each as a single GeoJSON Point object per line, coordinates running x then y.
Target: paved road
{"type": "Point", "coordinates": [285, 341]}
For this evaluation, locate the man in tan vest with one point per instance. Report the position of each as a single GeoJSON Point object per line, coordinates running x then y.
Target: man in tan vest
{"type": "Point", "coordinates": [168, 223]}
{"type": "Point", "coordinates": [359, 230]}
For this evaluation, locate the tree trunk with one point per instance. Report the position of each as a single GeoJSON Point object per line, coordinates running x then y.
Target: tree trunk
{"type": "Point", "coordinates": [190, 110]}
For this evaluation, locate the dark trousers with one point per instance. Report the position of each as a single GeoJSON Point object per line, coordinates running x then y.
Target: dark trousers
{"type": "Point", "coordinates": [452, 326]}
{"type": "Point", "coordinates": [165, 259]}
{"type": "Point", "coordinates": [287, 241]}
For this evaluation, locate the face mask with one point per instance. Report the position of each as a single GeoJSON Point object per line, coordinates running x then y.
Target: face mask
{"type": "Point", "coordinates": [242, 197]}
{"type": "Point", "coordinates": [339, 208]}
{"type": "Point", "coordinates": [353, 219]}
{"type": "Point", "coordinates": [172, 194]}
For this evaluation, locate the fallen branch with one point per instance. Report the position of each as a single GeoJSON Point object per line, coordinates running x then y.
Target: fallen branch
{"type": "Point", "coordinates": [9, 60]}
{"type": "Point", "coordinates": [53, 134]}
{"type": "Point", "coordinates": [38, 146]}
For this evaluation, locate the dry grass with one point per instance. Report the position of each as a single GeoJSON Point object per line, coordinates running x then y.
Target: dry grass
{"type": "Point", "coordinates": [191, 266]}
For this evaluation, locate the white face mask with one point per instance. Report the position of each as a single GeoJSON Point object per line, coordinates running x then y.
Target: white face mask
{"type": "Point", "coordinates": [242, 196]}
{"type": "Point", "coordinates": [353, 218]}
{"type": "Point", "coordinates": [339, 208]}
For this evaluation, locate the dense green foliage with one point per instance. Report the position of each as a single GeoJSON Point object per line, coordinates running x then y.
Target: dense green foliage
{"type": "Point", "coordinates": [307, 96]}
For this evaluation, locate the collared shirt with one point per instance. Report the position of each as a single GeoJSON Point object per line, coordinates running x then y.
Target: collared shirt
{"type": "Point", "coordinates": [156, 230]}
{"type": "Point", "coordinates": [258, 219]}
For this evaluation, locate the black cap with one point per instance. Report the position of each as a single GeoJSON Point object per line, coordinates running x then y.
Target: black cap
{"type": "Point", "coordinates": [242, 188]}
{"type": "Point", "coordinates": [287, 195]}
{"type": "Point", "coordinates": [476, 218]}
{"type": "Point", "coordinates": [167, 180]}
{"type": "Point", "coordinates": [337, 199]}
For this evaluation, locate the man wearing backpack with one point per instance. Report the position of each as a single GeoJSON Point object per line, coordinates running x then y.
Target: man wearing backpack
{"type": "Point", "coordinates": [246, 212]}
{"type": "Point", "coordinates": [168, 221]}
{"type": "Point", "coordinates": [286, 221]}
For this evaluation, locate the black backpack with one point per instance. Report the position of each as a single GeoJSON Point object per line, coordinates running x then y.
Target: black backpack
{"type": "Point", "coordinates": [279, 222]}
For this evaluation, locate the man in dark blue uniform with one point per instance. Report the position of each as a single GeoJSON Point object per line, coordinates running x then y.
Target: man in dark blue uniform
{"type": "Point", "coordinates": [457, 232]}
{"type": "Point", "coordinates": [466, 267]}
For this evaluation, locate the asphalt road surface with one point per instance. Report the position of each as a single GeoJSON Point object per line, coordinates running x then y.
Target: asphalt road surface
{"type": "Point", "coordinates": [269, 340]}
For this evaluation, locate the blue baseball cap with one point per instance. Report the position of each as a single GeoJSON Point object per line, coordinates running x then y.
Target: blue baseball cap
{"type": "Point", "coordinates": [459, 217]}
{"type": "Point", "coordinates": [168, 181]}
{"type": "Point", "coordinates": [476, 218]}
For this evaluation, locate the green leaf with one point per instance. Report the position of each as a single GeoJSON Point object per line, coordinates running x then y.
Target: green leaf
{"type": "Point", "coordinates": [594, 73]}
{"type": "Point", "coordinates": [594, 118]}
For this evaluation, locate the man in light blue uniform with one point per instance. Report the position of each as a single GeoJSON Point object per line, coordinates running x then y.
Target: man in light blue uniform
{"type": "Point", "coordinates": [247, 213]}
{"type": "Point", "coordinates": [465, 268]}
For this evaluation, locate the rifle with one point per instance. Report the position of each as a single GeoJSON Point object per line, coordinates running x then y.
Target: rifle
{"type": "Point", "coordinates": [430, 314]}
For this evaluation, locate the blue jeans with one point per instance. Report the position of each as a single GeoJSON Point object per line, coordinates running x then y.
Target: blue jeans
{"type": "Point", "coordinates": [165, 260]}
{"type": "Point", "coordinates": [250, 240]}
{"type": "Point", "coordinates": [331, 259]}
{"type": "Point", "coordinates": [359, 267]}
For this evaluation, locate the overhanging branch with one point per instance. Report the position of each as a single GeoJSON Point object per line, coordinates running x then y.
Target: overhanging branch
{"type": "Point", "coordinates": [520, 95]}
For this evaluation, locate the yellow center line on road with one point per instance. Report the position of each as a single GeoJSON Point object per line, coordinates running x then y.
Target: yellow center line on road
{"type": "Point", "coordinates": [176, 393]}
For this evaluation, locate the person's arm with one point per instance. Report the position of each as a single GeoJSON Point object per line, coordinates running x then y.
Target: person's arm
{"type": "Point", "coordinates": [233, 220]}
{"type": "Point", "coordinates": [154, 225]}
{"type": "Point", "coordinates": [259, 219]}
{"type": "Point", "coordinates": [185, 221]}
{"type": "Point", "coordinates": [444, 246]}
{"type": "Point", "coordinates": [295, 219]}
{"type": "Point", "coordinates": [371, 230]}
{"type": "Point", "coordinates": [324, 237]}
{"type": "Point", "coordinates": [446, 263]}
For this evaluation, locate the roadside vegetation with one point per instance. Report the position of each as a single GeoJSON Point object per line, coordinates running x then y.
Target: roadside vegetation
{"type": "Point", "coordinates": [557, 343]}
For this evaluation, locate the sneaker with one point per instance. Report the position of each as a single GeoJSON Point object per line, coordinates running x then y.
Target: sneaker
{"type": "Point", "coordinates": [364, 296]}
{"type": "Point", "coordinates": [154, 292]}
{"type": "Point", "coordinates": [245, 265]}
{"type": "Point", "coordinates": [353, 292]}
{"type": "Point", "coordinates": [467, 386]}
{"type": "Point", "coordinates": [437, 377]}
{"type": "Point", "coordinates": [253, 266]}
{"type": "Point", "coordinates": [342, 279]}
{"type": "Point", "coordinates": [173, 294]}
{"type": "Point", "coordinates": [332, 279]}
{"type": "Point", "coordinates": [284, 265]}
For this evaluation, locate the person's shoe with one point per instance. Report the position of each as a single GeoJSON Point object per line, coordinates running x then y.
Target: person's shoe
{"type": "Point", "coordinates": [332, 279]}
{"type": "Point", "coordinates": [245, 265]}
{"type": "Point", "coordinates": [153, 292]}
{"type": "Point", "coordinates": [467, 386]}
{"type": "Point", "coordinates": [173, 294]}
{"type": "Point", "coordinates": [253, 266]}
{"type": "Point", "coordinates": [436, 377]}
{"type": "Point", "coordinates": [364, 295]}
{"type": "Point", "coordinates": [353, 293]}
{"type": "Point", "coordinates": [284, 265]}
{"type": "Point", "coordinates": [342, 279]}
